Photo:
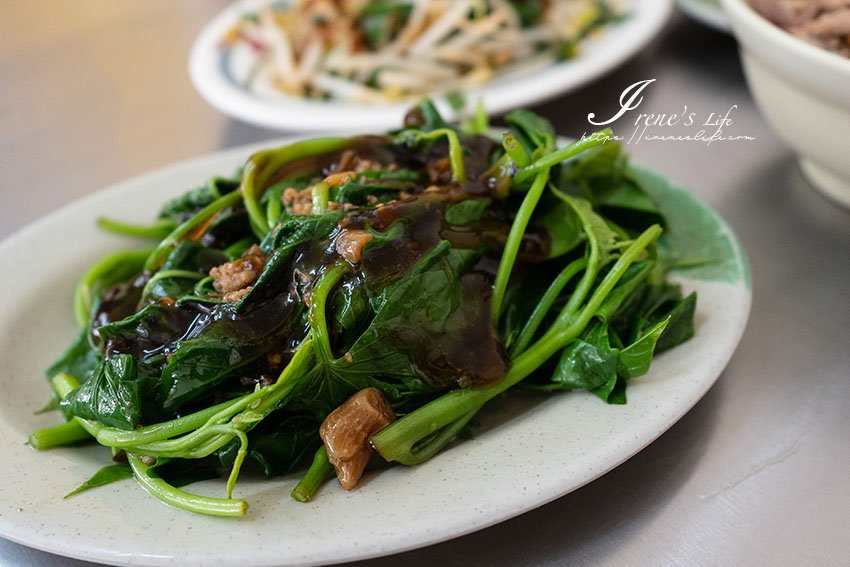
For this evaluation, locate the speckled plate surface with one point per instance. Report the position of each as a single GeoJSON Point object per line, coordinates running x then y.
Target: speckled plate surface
{"type": "Point", "coordinates": [528, 451]}
{"type": "Point", "coordinates": [220, 76]}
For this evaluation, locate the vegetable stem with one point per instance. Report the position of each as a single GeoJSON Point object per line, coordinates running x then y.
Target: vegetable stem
{"type": "Point", "coordinates": [319, 203]}
{"type": "Point", "coordinates": [184, 500]}
{"type": "Point", "coordinates": [455, 148]}
{"type": "Point", "coordinates": [317, 314]}
{"type": "Point", "coordinates": [319, 472]}
{"type": "Point", "coordinates": [556, 157]}
{"type": "Point", "coordinates": [542, 308]}
{"type": "Point", "coordinates": [159, 229]}
{"type": "Point", "coordinates": [509, 254]}
{"type": "Point", "coordinates": [65, 434]}
{"type": "Point", "coordinates": [262, 166]}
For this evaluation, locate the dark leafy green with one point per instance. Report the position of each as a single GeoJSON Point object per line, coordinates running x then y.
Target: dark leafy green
{"type": "Point", "coordinates": [104, 476]}
{"type": "Point", "coordinates": [444, 272]}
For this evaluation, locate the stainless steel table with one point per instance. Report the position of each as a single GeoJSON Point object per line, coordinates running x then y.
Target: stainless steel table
{"type": "Point", "coordinates": [95, 92]}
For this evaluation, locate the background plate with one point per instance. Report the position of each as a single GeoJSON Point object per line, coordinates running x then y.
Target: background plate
{"type": "Point", "coordinates": [708, 12]}
{"type": "Point", "coordinates": [214, 72]}
{"type": "Point", "coordinates": [530, 449]}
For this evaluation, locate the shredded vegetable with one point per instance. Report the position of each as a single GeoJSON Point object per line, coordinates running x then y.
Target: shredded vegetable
{"type": "Point", "coordinates": [386, 50]}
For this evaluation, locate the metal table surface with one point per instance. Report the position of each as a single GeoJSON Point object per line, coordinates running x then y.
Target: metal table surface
{"type": "Point", "coordinates": [95, 92]}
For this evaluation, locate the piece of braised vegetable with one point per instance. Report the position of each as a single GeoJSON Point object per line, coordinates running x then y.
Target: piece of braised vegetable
{"type": "Point", "coordinates": [346, 431]}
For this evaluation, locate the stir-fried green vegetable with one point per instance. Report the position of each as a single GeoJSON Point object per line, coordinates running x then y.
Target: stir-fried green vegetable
{"type": "Point", "coordinates": [437, 266]}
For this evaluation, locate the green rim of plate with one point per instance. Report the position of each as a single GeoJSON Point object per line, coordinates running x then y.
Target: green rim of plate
{"type": "Point", "coordinates": [697, 232]}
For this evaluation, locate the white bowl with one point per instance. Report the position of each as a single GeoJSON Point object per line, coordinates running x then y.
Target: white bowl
{"type": "Point", "coordinates": [803, 91]}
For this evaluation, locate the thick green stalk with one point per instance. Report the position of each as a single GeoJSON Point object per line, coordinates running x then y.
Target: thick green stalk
{"type": "Point", "coordinates": [509, 254]}
{"type": "Point", "coordinates": [273, 209]}
{"type": "Point", "coordinates": [184, 500]}
{"type": "Point", "coordinates": [567, 324]}
{"type": "Point", "coordinates": [189, 436]}
{"type": "Point", "coordinates": [243, 413]}
{"type": "Point", "coordinates": [549, 160]}
{"type": "Point", "coordinates": [317, 314]}
{"type": "Point", "coordinates": [66, 434]}
{"type": "Point", "coordinates": [319, 472]}
{"type": "Point", "coordinates": [113, 437]}
{"type": "Point", "coordinates": [319, 204]}
{"type": "Point", "coordinates": [158, 229]}
{"type": "Point", "coordinates": [514, 150]}
{"type": "Point", "coordinates": [263, 166]}
{"type": "Point", "coordinates": [542, 308]}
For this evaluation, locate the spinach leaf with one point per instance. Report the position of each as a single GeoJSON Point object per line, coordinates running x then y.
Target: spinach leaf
{"type": "Point", "coordinates": [596, 229]}
{"type": "Point", "coordinates": [356, 193]}
{"type": "Point", "coordinates": [426, 324]}
{"type": "Point", "coordinates": [79, 360]}
{"type": "Point", "coordinates": [466, 212]}
{"type": "Point", "coordinates": [379, 239]}
{"type": "Point", "coordinates": [681, 325]}
{"type": "Point", "coordinates": [532, 130]}
{"type": "Point", "coordinates": [104, 476]}
{"type": "Point", "coordinates": [187, 256]}
{"type": "Point", "coordinates": [588, 363]}
{"type": "Point", "coordinates": [601, 176]}
{"type": "Point", "coordinates": [113, 394]}
{"type": "Point", "coordinates": [184, 207]}
{"type": "Point", "coordinates": [635, 358]}
{"type": "Point", "coordinates": [562, 223]}
{"type": "Point", "coordinates": [299, 229]}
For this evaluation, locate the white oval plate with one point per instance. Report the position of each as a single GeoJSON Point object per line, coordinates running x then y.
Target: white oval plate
{"type": "Point", "coordinates": [215, 75]}
{"type": "Point", "coordinates": [530, 450]}
{"type": "Point", "coordinates": [708, 12]}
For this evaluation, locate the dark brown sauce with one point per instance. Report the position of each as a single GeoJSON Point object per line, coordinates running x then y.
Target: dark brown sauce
{"type": "Point", "coordinates": [272, 320]}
